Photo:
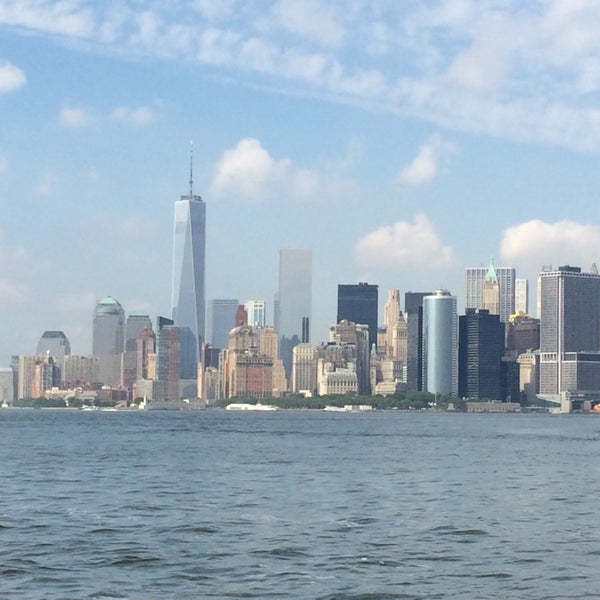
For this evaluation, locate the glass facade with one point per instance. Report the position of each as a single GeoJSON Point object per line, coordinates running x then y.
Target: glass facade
{"type": "Point", "coordinates": [188, 284]}
{"type": "Point", "coordinates": [358, 303]}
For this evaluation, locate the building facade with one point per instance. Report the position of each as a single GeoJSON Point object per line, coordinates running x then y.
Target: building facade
{"type": "Point", "coordinates": [294, 301]}
{"type": "Point", "coordinates": [221, 320]}
{"type": "Point", "coordinates": [359, 303]}
{"type": "Point", "coordinates": [413, 308]}
{"type": "Point", "coordinates": [440, 344]}
{"type": "Point", "coordinates": [480, 350]}
{"type": "Point", "coordinates": [570, 323]}
{"type": "Point", "coordinates": [188, 281]}
{"type": "Point", "coordinates": [506, 276]}
{"type": "Point", "coordinates": [108, 340]}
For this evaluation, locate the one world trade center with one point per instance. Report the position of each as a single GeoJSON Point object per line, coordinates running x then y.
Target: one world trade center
{"type": "Point", "coordinates": [188, 285]}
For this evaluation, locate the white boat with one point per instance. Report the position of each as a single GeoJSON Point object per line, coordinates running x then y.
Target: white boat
{"type": "Point", "coordinates": [244, 406]}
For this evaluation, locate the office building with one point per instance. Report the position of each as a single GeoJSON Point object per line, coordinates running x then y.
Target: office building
{"type": "Point", "coordinates": [304, 369]}
{"type": "Point", "coordinates": [221, 320]}
{"type": "Point", "coordinates": [354, 339]}
{"type": "Point", "coordinates": [108, 339]}
{"type": "Point", "coordinates": [490, 293]}
{"type": "Point", "coordinates": [7, 386]}
{"type": "Point", "coordinates": [256, 313]}
{"type": "Point", "coordinates": [167, 360]}
{"type": "Point", "coordinates": [135, 324]}
{"type": "Point", "coordinates": [188, 282]}
{"type": "Point", "coordinates": [293, 301]}
{"type": "Point", "coordinates": [570, 325]}
{"type": "Point", "coordinates": [480, 350]}
{"type": "Point", "coordinates": [522, 334]}
{"type": "Point", "coordinates": [81, 371]}
{"type": "Point", "coordinates": [57, 345]}
{"type": "Point", "coordinates": [522, 296]}
{"type": "Point", "coordinates": [358, 303]}
{"type": "Point", "coordinates": [413, 308]}
{"type": "Point", "coordinates": [474, 279]}
{"type": "Point", "coordinates": [440, 344]}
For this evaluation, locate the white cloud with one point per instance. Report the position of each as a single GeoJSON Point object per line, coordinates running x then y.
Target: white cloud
{"type": "Point", "coordinates": [426, 164]}
{"type": "Point", "coordinates": [525, 71]}
{"type": "Point", "coordinates": [536, 243]}
{"type": "Point", "coordinates": [143, 115]}
{"type": "Point", "coordinates": [310, 18]}
{"type": "Point", "coordinates": [74, 117]}
{"type": "Point", "coordinates": [404, 244]}
{"type": "Point", "coordinates": [248, 172]}
{"type": "Point", "coordinates": [11, 77]}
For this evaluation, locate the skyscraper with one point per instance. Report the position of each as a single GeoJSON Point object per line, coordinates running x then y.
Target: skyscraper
{"type": "Point", "coordinates": [440, 343]}
{"type": "Point", "coordinates": [294, 300]}
{"type": "Point", "coordinates": [481, 345]}
{"type": "Point", "coordinates": [522, 296]}
{"type": "Point", "coordinates": [108, 339]}
{"type": "Point", "coordinates": [57, 344]}
{"type": "Point", "coordinates": [358, 303]}
{"type": "Point", "coordinates": [221, 320]}
{"type": "Point", "coordinates": [413, 306]}
{"type": "Point", "coordinates": [570, 330]}
{"type": "Point", "coordinates": [256, 311]}
{"type": "Point", "coordinates": [188, 284]}
{"type": "Point", "coordinates": [474, 278]}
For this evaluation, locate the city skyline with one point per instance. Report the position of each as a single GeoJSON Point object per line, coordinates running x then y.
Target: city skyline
{"type": "Point", "coordinates": [399, 146]}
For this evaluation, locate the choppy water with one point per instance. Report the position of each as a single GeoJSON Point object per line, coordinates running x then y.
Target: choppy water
{"type": "Point", "coordinates": [300, 505]}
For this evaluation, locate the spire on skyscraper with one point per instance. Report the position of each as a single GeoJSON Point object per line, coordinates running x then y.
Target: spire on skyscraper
{"type": "Point", "coordinates": [491, 272]}
{"type": "Point", "coordinates": [191, 169]}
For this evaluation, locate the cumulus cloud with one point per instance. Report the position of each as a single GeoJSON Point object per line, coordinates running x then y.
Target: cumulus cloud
{"type": "Point", "coordinates": [404, 244]}
{"type": "Point", "coordinates": [426, 164]}
{"type": "Point", "coordinates": [11, 77]}
{"type": "Point", "coordinates": [249, 172]}
{"type": "Point", "coordinates": [142, 115]}
{"type": "Point", "coordinates": [536, 243]}
{"type": "Point", "coordinates": [74, 117]}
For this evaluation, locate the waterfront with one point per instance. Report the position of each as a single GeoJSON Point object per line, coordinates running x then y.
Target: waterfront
{"type": "Point", "coordinates": [298, 504]}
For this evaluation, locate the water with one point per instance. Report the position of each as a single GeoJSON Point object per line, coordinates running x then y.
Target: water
{"type": "Point", "coordinates": [299, 505]}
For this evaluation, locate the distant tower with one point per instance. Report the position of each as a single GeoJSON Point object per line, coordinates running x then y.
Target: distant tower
{"type": "Point", "coordinates": [167, 359]}
{"type": "Point", "coordinates": [522, 296]}
{"type": "Point", "coordinates": [474, 278]}
{"type": "Point", "coordinates": [358, 303]}
{"type": "Point", "coordinates": [57, 344]}
{"type": "Point", "coordinates": [136, 322]}
{"type": "Point", "coordinates": [293, 301]}
{"type": "Point", "coordinates": [108, 339]}
{"type": "Point", "coordinates": [490, 293]}
{"type": "Point", "coordinates": [188, 284]}
{"type": "Point", "coordinates": [257, 313]}
{"type": "Point", "coordinates": [440, 344]}
{"type": "Point", "coordinates": [221, 320]}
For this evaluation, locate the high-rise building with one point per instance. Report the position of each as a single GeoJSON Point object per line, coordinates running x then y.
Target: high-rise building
{"type": "Point", "coordinates": [358, 303]}
{"type": "Point", "coordinates": [354, 338]}
{"type": "Point", "coordinates": [569, 330]}
{"type": "Point", "coordinates": [167, 359]}
{"type": "Point", "coordinates": [294, 300]}
{"type": "Point", "coordinates": [135, 324]}
{"type": "Point", "coordinates": [440, 344]}
{"type": "Point", "coordinates": [490, 292]}
{"type": "Point", "coordinates": [221, 320]}
{"type": "Point", "coordinates": [413, 307]}
{"type": "Point", "coordinates": [474, 278]}
{"type": "Point", "coordinates": [304, 369]}
{"type": "Point", "coordinates": [256, 311]}
{"type": "Point", "coordinates": [7, 386]}
{"type": "Point", "coordinates": [57, 345]}
{"type": "Point", "coordinates": [522, 296]}
{"type": "Point", "coordinates": [480, 350]}
{"type": "Point", "coordinates": [188, 284]}
{"type": "Point", "coordinates": [81, 371]}
{"type": "Point", "coordinates": [108, 339]}
{"type": "Point", "coordinates": [522, 334]}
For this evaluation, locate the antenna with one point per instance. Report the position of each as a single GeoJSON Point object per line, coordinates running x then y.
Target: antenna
{"type": "Point", "coordinates": [191, 169]}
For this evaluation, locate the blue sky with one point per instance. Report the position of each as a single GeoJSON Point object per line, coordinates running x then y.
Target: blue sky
{"type": "Point", "coordinates": [401, 142]}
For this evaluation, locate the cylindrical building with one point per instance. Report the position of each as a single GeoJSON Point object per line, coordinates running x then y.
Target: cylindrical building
{"type": "Point", "coordinates": [440, 344]}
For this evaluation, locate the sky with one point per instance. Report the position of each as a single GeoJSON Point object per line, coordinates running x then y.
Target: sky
{"type": "Point", "coordinates": [399, 141]}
